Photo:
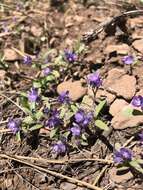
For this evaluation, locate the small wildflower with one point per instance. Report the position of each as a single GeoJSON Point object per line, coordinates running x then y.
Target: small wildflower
{"type": "Point", "coordinates": [46, 110]}
{"type": "Point", "coordinates": [128, 60]}
{"type": "Point", "coordinates": [59, 148]}
{"type": "Point", "coordinates": [123, 155]}
{"type": "Point", "coordinates": [94, 79]}
{"type": "Point", "coordinates": [64, 97]}
{"type": "Point", "coordinates": [70, 56]}
{"type": "Point", "coordinates": [140, 135]}
{"type": "Point", "coordinates": [54, 120]}
{"type": "Point", "coordinates": [76, 131]}
{"type": "Point", "coordinates": [5, 27]}
{"type": "Point", "coordinates": [46, 71]}
{"type": "Point", "coordinates": [13, 125]}
{"type": "Point", "coordinates": [33, 95]}
{"type": "Point", "coordinates": [79, 116]}
{"type": "Point", "coordinates": [137, 101]}
{"type": "Point", "coordinates": [87, 119]}
{"type": "Point", "coordinates": [82, 118]}
{"type": "Point", "coordinates": [27, 60]}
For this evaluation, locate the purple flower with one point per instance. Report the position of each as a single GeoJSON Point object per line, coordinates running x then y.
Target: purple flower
{"type": "Point", "coordinates": [123, 155]}
{"type": "Point", "coordinates": [5, 27]}
{"type": "Point", "coordinates": [137, 101]}
{"type": "Point", "coordinates": [94, 79]}
{"type": "Point", "coordinates": [54, 120]}
{"type": "Point", "coordinates": [140, 135]}
{"type": "Point", "coordinates": [83, 118]}
{"type": "Point", "coordinates": [87, 119]}
{"type": "Point", "coordinates": [79, 116]}
{"type": "Point", "coordinates": [13, 125]}
{"type": "Point", "coordinates": [129, 59]}
{"type": "Point", "coordinates": [64, 97]}
{"type": "Point", "coordinates": [70, 56]}
{"type": "Point", "coordinates": [27, 60]}
{"type": "Point", "coordinates": [33, 95]}
{"type": "Point", "coordinates": [76, 131]}
{"type": "Point", "coordinates": [47, 71]}
{"type": "Point", "coordinates": [59, 147]}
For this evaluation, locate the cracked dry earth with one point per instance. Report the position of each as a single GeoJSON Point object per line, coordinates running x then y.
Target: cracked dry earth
{"type": "Point", "coordinates": [51, 28]}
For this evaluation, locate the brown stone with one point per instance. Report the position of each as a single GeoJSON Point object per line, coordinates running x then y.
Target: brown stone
{"type": "Point", "coordinates": [117, 106]}
{"type": "Point", "coordinates": [104, 94]}
{"type": "Point", "coordinates": [138, 45]}
{"type": "Point", "coordinates": [119, 178]}
{"type": "Point", "coordinates": [120, 84]}
{"type": "Point", "coordinates": [133, 22]}
{"type": "Point", "coordinates": [76, 90]}
{"type": "Point", "coordinates": [122, 49]}
{"type": "Point", "coordinates": [121, 121]}
{"type": "Point", "coordinates": [10, 55]}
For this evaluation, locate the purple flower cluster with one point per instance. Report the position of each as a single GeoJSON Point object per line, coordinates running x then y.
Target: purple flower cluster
{"type": "Point", "coordinates": [137, 101]}
{"type": "Point", "coordinates": [54, 119]}
{"type": "Point", "coordinates": [82, 118]}
{"type": "Point", "coordinates": [94, 79]}
{"type": "Point", "coordinates": [47, 71]}
{"type": "Point", "coordinates": [14, 125]}
{"type": "Point", "coordinates": [64, 97]}
{"type": "Point", "coordinates": [76, 130]}
{"type": "Point", "coordinates": [70, 56]}
{"type": "Point", "coordinates": [128, 60]}
{"type": "Point", "coordinates": [123, 155]}
{"type": "Point", "coordinates": [27, 60]}
{"type": "Point", "coordinates": [33, 95]}
{"type": "Point", "coordinates": [59, 148]}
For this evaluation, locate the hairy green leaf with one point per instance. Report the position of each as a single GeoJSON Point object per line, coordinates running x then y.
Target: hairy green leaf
{"type": "Point", "coordinates": [99, 107]}
{"type": "Point", "coordinates": [100, 124]}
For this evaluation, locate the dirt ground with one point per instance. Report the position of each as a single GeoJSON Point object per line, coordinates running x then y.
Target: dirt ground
{"type": "Point", "coordinates": [29, 27]}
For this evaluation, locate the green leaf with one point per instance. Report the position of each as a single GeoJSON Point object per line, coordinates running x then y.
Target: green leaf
{"type": "Point", "coordinates": [128, 112]}
{"type": "Point", "coordinates": [74, 108]}
{"type": "Point", "coordinates": [18, 137]}
{"type": "Point", "coordinates": [23, 94]}
{"type": "Point", "coordinates": [122, 168]}
{"type": "Point", "coordinates": [56, 74]}
{"type": "Point", "coordinates": [37, 84]}
{"type": "Point", "coordinates": [26, 110]}
{"type": "Point", "coordinates": [39, 115]}
{"type": "Point", "coordinates": [100, 124]}
{"type": "Point", "coordinates": [53, 132]}
{"type": "Point", "coordinates": [83, 137]}
{"type": "Point", "coordinates": [66, 134]}
{"type": "Point", "coordinates": [35, 127]}
{"type": "Point", "coordinates": [79, 47]}
{"type": "Point", "coordinates": [99, 107]}
{"type": "Point", "coordinates": [84, 143]}
{"type": "Point", "coordinates": [136, 165]}
{"type": "Point", "coordinates": [63, 112]}
{"type": "Point", "coordinates": [32, 105]}
{"type": "Point", "coordinates": [28, 120]}
{"type": "Point", "coordinates": [140, 161]}
{"type": "Point", "coordinates": [49, 78]}
{"type": "Point", "coordinates": [117, 146]}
